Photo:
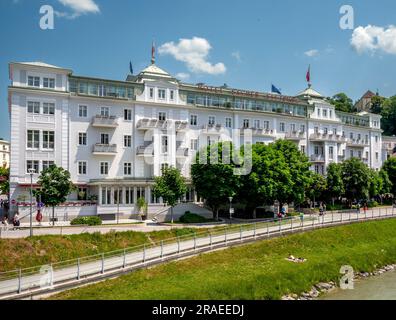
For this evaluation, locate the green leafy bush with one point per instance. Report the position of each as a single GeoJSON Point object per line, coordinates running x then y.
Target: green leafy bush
{"type": "Point", "coordinates": [90, 221]}
{"type": "Point", "coordinates": [373, 204]}
{"type": "Point", "coordinates": [189, 217]}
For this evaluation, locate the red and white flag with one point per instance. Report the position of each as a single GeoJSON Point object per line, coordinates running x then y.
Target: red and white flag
{"type": "Point", "coordinates": [153, 53]}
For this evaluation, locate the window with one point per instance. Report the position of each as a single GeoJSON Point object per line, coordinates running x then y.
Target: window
{"type": "Point", "coordinates": [257, 124]}
{"type": "Point", "coordinates": [303, 149]}
{"type": "Point", "coordinates": [246, 123]}
{"type": "Point", "coordinates": [151, 93]}
{"type": "Point", "coordinates": [82, 111]}
{"type": "Point", "coordinates": [366, 139]}
{"type": "Point", "coordinates": [47, 164]}
{"type": "Point", "coordinates": [317, 150]}
{"type": "Point", "coordinates": [162, 116]}
{"type": "Point", "coordinates": [33, 139]}
{"type": "Point", "coordinates": [164, 144]}
{"type": "Point", "coordinates": [292, 127]}
{"type": "Point", "coordinates": [325, 131]}
{"type": "Point", "coordinates": [49, 108]}
{"type": "Point", "coordinates": [359, 136]}
{"type": "Point", "coordinates": [360, 154]}
{"type": "Point", "coordinates": [351, 153]}
{"type": "Point", "coordinates": [351, 135]}
{"type": "Point", "coordinates": [318, 112]}
{"type": "Point", "coordinates": [48, 139]}
{"type": "Point", "coordinates": [266, 125]}
{"type": "Point", "coordinates": [34, 107]}
{"type": "Point", "coordinates": [376, 156]}
{"type": "Point", "coordinates": [367, 155]}
{"type": "Point", "coordinates": [82, 167]}
{"type": "Point", "coordinates": [82, 139]}
{"type": "Point", "coordinates": [104, 138]}
{"type": "Point", "coordinates": [331, 153]}
{"type": "Point", "coordinates": [376, 139]}
{"type": "Point", "coordinates": [129, 195]}
{"type": "Point", "coordinates": [172, 95]}
{"type": "Point", "coordinates": [282, 127]}
{"type": "Point", "coordinates": [194, 144]}
{"type": "Point", "coordinates": [324, 113]}
{"type": "Point", "coordinates": [127, 141]}
{"type": "Point", "coordinates": [317, 169]}
{"type": "Point", "coordinates": [302, 128]}
{"type": "Point", "coordinates": [193, 120]}
{"type": "Point", "coordinates": [32, 164]}
{"type": "Point", "coordinates": [212, 120]}
{"type": "Point", "coordinates": [104, 168]}
{"type": "Point", "coordinates": [161, 94]}
{"type": "Point", "coordinates": [316, 130]}
{"type": "Point", "coordinates": [335, 131]}
{"type": "Point", "coordinates": [331, 114]}
{"type": "Point", "coordinates": [106, 196]}
{"type": "Point", "coordinates": [127, 169]}
{"type": "Point", "coordinates": [228, 123]}
{"type": "Point", "coordinates": [128, 115]}
{"type": "Point", "coordinates": [105, 111]}
{"type": "Point", "coordinates": [49, 83]}
{"type": "Point", "coordinates": [33, 81]}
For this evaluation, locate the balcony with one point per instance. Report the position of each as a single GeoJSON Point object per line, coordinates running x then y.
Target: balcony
{"type": "Point", "coordinates": [181, 125]}
{"type": "Point", "coordinates": [146, 150]}
{"type": "Point", "coordinates": [257, 132]}
{"type": "Point", "coordinates": [327, 137]}
{"type": "Point", "coordinates": [341, 157]}
{"type": "Point", "coordinates": [295, 136]}
{"type": "Point", "coordinates": [104, 122]}
{"type": "Point", "coordinates": [150, 124]}
{"type": "Point", "coordinates": [318, 158]}
{"type": "Point", "coordinates": [212, 129]}
{"type": "Point", "coordinates": [357, 143]}
{"type": "Point", "coordinates": [104, 149]}
{"type": "Point", "coordinates": [182, 152]}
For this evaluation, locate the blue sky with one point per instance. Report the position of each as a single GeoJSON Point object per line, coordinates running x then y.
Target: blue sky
{"type": "Point", "coordinates": [247, 44]}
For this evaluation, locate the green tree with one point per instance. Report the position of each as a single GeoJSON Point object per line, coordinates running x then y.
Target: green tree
{"type": "Point", "coordinates": [386, 187]}
{"type": "Point", "coordinates": [215, 181]}
{"type": "Point", "coordinates": [335, 184]}
{"type": "Point", "coordinates": [342, 102]}
{"type": "Point", "coordinates": [376, 104]}
{"type": "Point", "coordinates": [171, 186]}
{"type": "Point", "coordinates": [55, 186]}
{"type": "Point", "coordinates": [390, 168]}
{"type": "Point", "coordinates": [388, 114]}
{"type": "Point", "coordinates": [376, 183]}
{"type": "Point", "coordinates": [141, 205]}
{"type": "Point", "coordinates": [316, 187]}
{"type": "Point", "coordinates": [5, 180]}
{"type": "Point", "coordinates": [356, 177]}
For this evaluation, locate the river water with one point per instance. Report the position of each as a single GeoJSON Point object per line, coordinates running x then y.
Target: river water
{"type": "Point", "coordinates": [382, 287]}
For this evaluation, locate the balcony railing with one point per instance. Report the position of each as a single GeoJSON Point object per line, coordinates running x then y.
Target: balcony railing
{"type": "Point", "coordinates": [295, 135]}
{"type": "Point", "coordinates": [181, 125]}
{"type": "Point", "coordinates": [318, 158]}
{"type": "Point", "coordinates": [259, 132]}
{"type": "Point", "coordinates": [212, 128]}
{"type": "Point", "coordinates": [148, 124]}
{"type": "Point", "coordinates": [105, 121]}
{"type": "Point", "coordinates": [327, 137]}
{"type": "Point", "coordinates": [104, 149]}
{"type": "Point", "coordinates": [146, 150]}
{"type": "Point", "coordinates": [358, 143]}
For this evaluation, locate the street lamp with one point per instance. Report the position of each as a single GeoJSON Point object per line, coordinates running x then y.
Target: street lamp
{"type": "Point", "coordinates": [231, 211]}
{"type": "Point", "coordinates": [31, 172]}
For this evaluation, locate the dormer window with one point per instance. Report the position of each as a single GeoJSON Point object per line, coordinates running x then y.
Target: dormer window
{"type": "Point", "coordinates": [324, 113]}
{"type": "Point", "coordinates": [49, 83]}
{"type": "Point", "coordinates": [172, 95]}
{"type": "Point", "coordinates": [161, 94]}
{"type": "Point", "coordinates": [33, 81]}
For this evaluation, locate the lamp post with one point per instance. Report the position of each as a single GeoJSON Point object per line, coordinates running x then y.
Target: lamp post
{"type": "Point", "coordinates": [31, 173]}
{"type": "Point", "coordinates": [231, 211]}
{"type": "Point", "coordinates": [118, 205]}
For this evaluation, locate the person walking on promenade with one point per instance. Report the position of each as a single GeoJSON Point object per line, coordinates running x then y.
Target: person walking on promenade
{"type": "Point", "coordinates": [4, 222]}
{"type": "Point", "coordinates": [16, 221]}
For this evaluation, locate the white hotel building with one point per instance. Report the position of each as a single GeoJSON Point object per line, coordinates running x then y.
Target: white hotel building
{"type": "Point", "coordinates": [114, 136]}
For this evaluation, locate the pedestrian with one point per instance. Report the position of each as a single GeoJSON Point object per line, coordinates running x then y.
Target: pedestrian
{"type": "Point", "coordinates": [16, 221]}
{"type": "Point", "coordinates": [324, 208]}
{"type": "Point", "coordinates": [302, 217]}
{"type": "Point", "coordinates": [365, 208]}
{"type": "Point", "coordinates": [358, 208]}
{"type": "Point", "coordinates": [4, 222]}
{"type": "Point", "coordinates": [321, 209]}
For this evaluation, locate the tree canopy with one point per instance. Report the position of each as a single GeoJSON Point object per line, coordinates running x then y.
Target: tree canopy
{"type": "Point", "coordinates": [390, 169]}
{"type": "Point", "coordinates": [342, 102]}
{"type": "Point", "coordinates": [356, 176]}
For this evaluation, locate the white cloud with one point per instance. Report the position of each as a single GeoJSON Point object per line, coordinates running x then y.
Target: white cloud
{"type": "Point", "coordinates": [312, 53]}
{"type": "Point", "coordinates": [78, 7]}
{"type": "Point", "coordinates": [194, 53]}
{"type": "Point", "coordinates": [236, 55]}
{"type": "Point", "coordinates": [373, 39]}
{"type": "Point", "coordinates": [182, 76]}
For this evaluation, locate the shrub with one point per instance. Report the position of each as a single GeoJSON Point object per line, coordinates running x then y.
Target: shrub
{"type": "Point", "coordinates": [189, 217]}
{"type": "Point", "coordinates": [90, 221]}
{"type": "Point", "coordinates": [373, 204]}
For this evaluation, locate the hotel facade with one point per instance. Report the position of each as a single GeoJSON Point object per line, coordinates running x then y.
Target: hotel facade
{"type": "Point", "coordinates": [115, 136]}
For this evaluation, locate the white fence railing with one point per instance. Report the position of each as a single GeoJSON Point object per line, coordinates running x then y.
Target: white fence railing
{"type": "Point", "coordinates": [42, 279]}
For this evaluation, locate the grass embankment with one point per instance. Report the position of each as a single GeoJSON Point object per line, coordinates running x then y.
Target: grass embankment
{"type": "Point", "coordinates": [257, 271]}
{"type": "Point", "coordinates": [25, 253]}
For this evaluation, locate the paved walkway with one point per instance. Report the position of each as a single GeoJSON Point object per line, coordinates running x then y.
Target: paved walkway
{"type": "Point", "coordinates": [73, 271]}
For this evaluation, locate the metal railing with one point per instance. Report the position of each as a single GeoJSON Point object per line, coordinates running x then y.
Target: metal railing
{"type": "Point", "coordinates": [66, 274]}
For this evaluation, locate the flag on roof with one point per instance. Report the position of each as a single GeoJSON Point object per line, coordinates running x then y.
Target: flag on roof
{"type": "Point", "coordinates": [130, 67]}
{"type": "Point", "coordinates": [309, 74]}
{"type": "Point", "coordinates": [275, 89]}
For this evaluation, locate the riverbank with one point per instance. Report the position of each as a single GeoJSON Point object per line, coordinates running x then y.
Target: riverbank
{"type": "Point", "coordinates": [257, 271]}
